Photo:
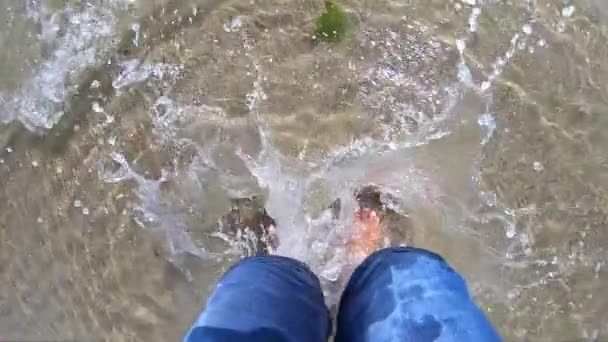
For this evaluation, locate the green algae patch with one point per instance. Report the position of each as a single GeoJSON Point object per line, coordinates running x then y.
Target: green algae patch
{"type": "Point", "coordinates": [332, 25]}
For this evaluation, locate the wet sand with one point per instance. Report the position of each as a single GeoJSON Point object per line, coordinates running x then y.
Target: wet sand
{"type": "Point", "coordinates": [109, 219]}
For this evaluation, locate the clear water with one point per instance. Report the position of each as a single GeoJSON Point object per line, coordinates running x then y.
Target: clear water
{"type": "Point", "coordinates": [127, 126]}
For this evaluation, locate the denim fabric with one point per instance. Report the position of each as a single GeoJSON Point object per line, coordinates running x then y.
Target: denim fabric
{"type": "Point", "coordinates": [409, 294]}
{"type": "Point", "coordinates": [266, 299]}
{"type": "Point", "coordinates": [396, 294]}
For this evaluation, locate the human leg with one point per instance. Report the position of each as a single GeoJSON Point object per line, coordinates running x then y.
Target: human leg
{"type": "Point", "coordinates": [266, 298]}
{"type": "Point", "coordinates": [409, 294]}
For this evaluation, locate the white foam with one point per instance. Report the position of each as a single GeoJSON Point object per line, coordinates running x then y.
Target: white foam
{"type": "Point", "coordinates": [41, 100]}
{"type": "Point", "coordinates": [135, 71]}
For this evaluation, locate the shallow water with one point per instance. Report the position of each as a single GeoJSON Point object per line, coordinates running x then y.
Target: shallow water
{"type": "Point", "coordinates": [127, 127]}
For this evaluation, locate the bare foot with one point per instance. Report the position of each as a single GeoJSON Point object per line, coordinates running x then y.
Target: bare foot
{"type": "Point", "coordinates": [367, 235]}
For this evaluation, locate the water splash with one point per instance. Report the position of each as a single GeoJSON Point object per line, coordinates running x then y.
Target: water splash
{"type": "Point", "coordinates": [135, 71]}
{"type": "Point", "coordinates": [297, 189]}
{"type": "Point", "coordinates": [87, 36]}
{"type": "Point", "coordinates": [151, 210]}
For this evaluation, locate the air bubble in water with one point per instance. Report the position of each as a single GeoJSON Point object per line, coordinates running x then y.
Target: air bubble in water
{"type": "Point", "coordinates": [521, 45]}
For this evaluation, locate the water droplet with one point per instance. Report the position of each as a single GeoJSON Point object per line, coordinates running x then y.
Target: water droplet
{"type": "Point", "coordinates": [473, 19]}
{"type": "Point", "coordinates": [136, 27]}
{"type": "Point", "coordinates": [97, 108]}
{"type": "Point", "coordinates": [485, 86]}
{"type": "Point", "coordinates": [597, 269]}
{"type": "Point", "coordinates": [568, 11]}
{"type": "Point", "coordinates": [510, 233]}
{"type": "Point", "coordinates": [233, 25]}
{"type": "Point", "coordinates": [489, 124]}
{"type": "Point", "coordinates": [460, 45]}
{"type": "Point", "coordinates": [77, 203]}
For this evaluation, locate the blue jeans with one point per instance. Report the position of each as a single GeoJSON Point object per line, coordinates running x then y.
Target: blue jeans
{"type": "Point", "coordinates": [396, 294]}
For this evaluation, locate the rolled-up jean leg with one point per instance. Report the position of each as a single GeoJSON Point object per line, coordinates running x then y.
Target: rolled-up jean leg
{"type": "Point", "coordinates": [409, 294]}
{"type": "Point", "coordinates": [266, 298]}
